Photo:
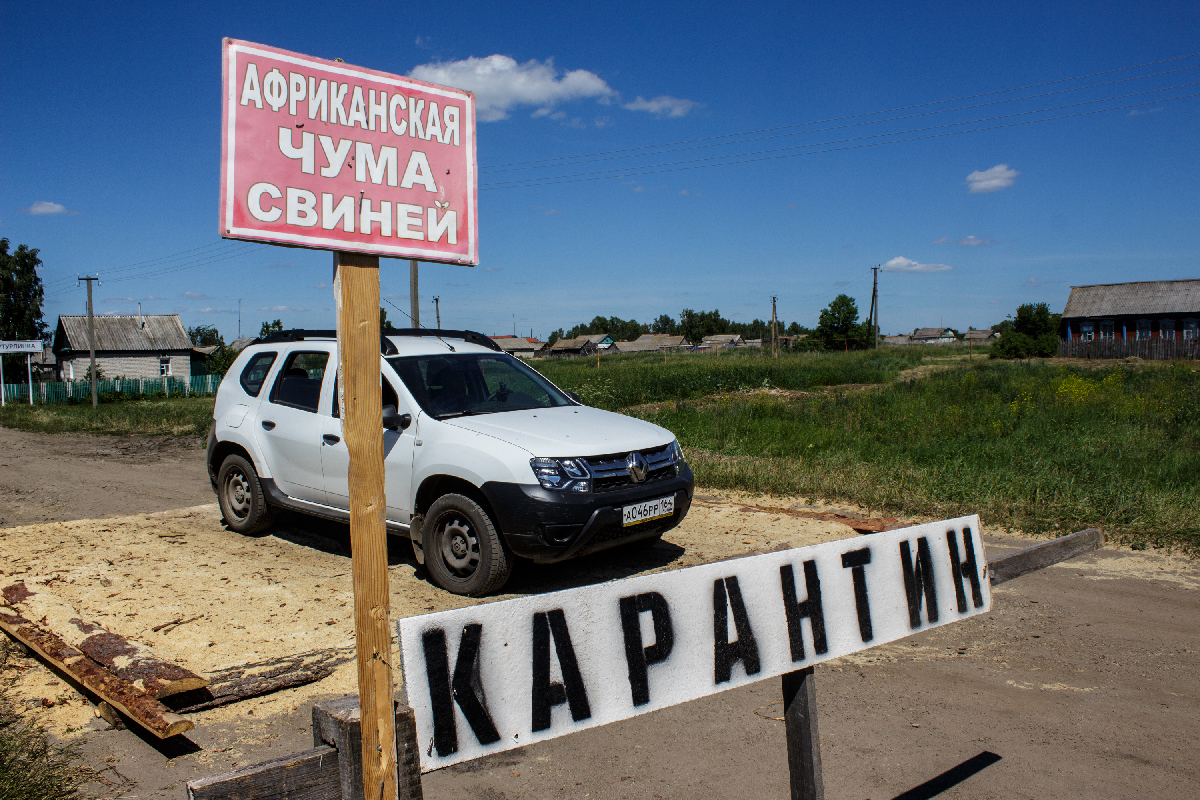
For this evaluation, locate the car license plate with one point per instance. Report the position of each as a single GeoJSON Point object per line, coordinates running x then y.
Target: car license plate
{"type": "Point", "coordinates": [651, 509]}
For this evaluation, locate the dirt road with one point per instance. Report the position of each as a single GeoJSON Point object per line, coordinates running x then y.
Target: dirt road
{"type": "Point", "coordinates": [1081, 683]}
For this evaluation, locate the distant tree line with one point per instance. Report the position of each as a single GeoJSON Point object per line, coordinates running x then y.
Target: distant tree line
{"type": "Point", "coordinates": [693, 325]}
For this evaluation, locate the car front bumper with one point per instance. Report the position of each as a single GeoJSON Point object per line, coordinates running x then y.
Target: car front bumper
{"type": "Point", "coordinates": [548, 526]}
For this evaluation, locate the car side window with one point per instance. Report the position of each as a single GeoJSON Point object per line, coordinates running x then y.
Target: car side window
{"type": "Point", "coordinates": [390, 398]}
{"type": "Point", "coordinates": [256, 371]}
{"type": "Point", "coordinates": [299, 382]}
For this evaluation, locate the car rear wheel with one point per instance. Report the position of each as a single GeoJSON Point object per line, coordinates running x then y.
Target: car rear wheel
{"type": "Point", "coordinates": [464, 552]}
{"type": "Point", "coordinates": [241, 496]}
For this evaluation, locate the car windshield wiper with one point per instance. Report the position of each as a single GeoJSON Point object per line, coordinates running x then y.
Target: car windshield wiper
{"type": "Point", "coordinates": [454, 414]}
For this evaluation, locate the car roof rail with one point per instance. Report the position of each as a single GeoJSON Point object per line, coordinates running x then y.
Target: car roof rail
{"type": "Point", "coordinates": [386, 347]}
{"type": "Point", "coordinates": [470, 337]}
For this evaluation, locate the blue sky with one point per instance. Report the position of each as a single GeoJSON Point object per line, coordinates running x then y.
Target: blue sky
{"type": "Point", "coordinates": [112, 146]}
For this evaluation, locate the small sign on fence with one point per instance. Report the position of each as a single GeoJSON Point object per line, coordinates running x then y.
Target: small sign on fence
{"type": "Point", "coordinates": [11, 348]}
{"type": "Point", "coordinates": [500, 675]}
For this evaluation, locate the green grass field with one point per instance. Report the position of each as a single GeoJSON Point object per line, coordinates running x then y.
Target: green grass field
{"type": "Point", "coordinates": [175, 416]}
{"type": "Point", "coordinates": [1030, 445]}
{"type": "Point", "coordinates": [623, 381]}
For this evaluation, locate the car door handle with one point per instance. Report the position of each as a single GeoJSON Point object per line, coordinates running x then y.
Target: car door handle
{"type": "Point", "coordinates": [331, 439]}
{"type": "Point", "coordinates": [268, 425]}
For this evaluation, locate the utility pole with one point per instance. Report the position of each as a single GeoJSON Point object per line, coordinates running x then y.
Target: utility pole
{"type": "Point", "coordinates": [413, 303]}
{"type": "Point", "coordinates": [874, 315]}
{"type": "Point", "coordinates": [239, 317]}
{"type": "Point", "coordinates": [774, 333]}
{"type": "Point", "coordinates": [91, 334]}
{"type": "Point", "coordinates": [437, 310]}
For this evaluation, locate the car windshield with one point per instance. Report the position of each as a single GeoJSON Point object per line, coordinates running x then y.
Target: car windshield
{"type": "Point", "coordinates": [462, 384]}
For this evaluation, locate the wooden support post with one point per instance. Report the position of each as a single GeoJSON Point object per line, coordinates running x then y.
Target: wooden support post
{"type": "Point", "coordinates": [356, 290]}
{"type": "Point", "coordinates": [337, 723]}
{"type": "Point", "coordinates": [803, 741]}
{"type": "Point", "coordinates": [1044, 554]}
{"type": "Point", "coordinates": [29, 367]}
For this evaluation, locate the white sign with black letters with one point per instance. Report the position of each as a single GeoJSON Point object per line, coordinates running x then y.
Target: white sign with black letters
{"type": "Point", "coordinates": [500, 675]}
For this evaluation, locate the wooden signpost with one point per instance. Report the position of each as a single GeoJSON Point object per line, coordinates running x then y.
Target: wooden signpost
{"type": "Point", "coordinates": [322, 154]}
{"type": "Point", "coordinates": [561, 665]}
{"type": "Point", "coordinates": [487, 678]}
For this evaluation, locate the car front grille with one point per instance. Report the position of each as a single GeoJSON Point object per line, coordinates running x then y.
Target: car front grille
{"type": "Point", "coordinates": [610, 473]}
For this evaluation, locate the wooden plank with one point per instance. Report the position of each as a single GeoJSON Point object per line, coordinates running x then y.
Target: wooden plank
{"type": "Point", "coordinates": [262, 677]}
{"type": "Point", "coordinates": [803, 739]}
{"type": "Point", "coordinates": [1044, 554]}
{"type": "Point", "coordinates": [133, 702]}
{"type": "Point", "coordinates": [128, 660]}
{"type": "Point", "coordinates": [311, 775]}
{"type": "Point", "coordinates": [356, 290]}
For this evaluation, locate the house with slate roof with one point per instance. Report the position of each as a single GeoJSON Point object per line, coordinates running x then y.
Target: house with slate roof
{"type": "Point", "coordinates": [127, 346]}
{"type": "Point", "coordinates": [1138, 311]}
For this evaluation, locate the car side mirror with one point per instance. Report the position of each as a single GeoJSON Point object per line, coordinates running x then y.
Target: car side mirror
{"type": "Point", "coordinates": [574, 397]}
{"type": "Point", "coordinates": [395, 421]}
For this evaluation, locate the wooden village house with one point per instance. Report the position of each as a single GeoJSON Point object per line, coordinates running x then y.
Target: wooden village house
{"type": "Point", "coordinates": [1144, 310]}
{"type": "Point", "coordinates": [127, 346]}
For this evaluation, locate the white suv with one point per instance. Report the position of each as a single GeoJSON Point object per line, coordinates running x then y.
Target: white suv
{"type": "Point", "coordinates": [485, 459]}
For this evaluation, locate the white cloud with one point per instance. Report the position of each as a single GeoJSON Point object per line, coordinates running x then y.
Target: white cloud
{"type": "Point", "coordinates": [975, 241]}
{"type": "Point", "coordinates": [501, 84]}
{"type": "Point", "coordinates": [119, 300]}
{"type": "Point", "coordinates": [195, 295]}
{"type": "Point", "coordinates": [940, 240]}
{"type": "Point", "coordinates": [990, 180]}
{"type": "Point", "coordinates": [282, 308]}
{"type": "Point", "coordinates": [902, 264]}
{"type": "Point", "coordinates": [45, 207]}
{"type": "Point", "coordinates": [663, 106]}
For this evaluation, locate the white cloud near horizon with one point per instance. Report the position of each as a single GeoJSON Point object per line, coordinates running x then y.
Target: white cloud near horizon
{"type": "Point", "coordinates": [991, 180]}
{"type": "Point", "coordinates": [975, 241]}
{"type": "Point", "coordinates": [663, 106]}
{"type": "Point", "coordinates": [46, 208]}
{"type": "Point", "coordinates": [902, 264]}
{"type": "Point", "coordinates": [501, 84]}
{"type": "Point", "coordinates": [195, 295]}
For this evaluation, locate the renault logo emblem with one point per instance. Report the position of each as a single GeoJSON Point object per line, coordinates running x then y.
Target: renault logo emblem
{"type": "Point", "coordinates": [636, 464]}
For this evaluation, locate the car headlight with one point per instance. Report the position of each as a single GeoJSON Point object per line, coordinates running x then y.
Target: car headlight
{"type": "Point", "coordinates": [677, 456]}
{"type": "Point", "coordinates": [561, 474]}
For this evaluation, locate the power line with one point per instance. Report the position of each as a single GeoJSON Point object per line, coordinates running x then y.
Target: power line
{"type": "Point", "coordinates": [740, 158]}
{"type": "Point", "coordinates": [856, 116]}
{"type": "Point", "coordinates": [193, 256]}
{"type": "Point", "coordinates": [55, 289]}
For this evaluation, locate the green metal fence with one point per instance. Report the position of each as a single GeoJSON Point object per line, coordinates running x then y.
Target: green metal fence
{"type": "Point", "coordinates": [117, 389]}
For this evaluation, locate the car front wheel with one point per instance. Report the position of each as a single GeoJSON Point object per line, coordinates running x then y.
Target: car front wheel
{"type": "Point", "coordinates": [464, 553]}
{"type": "Point", "coordinates": [241, 496]}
